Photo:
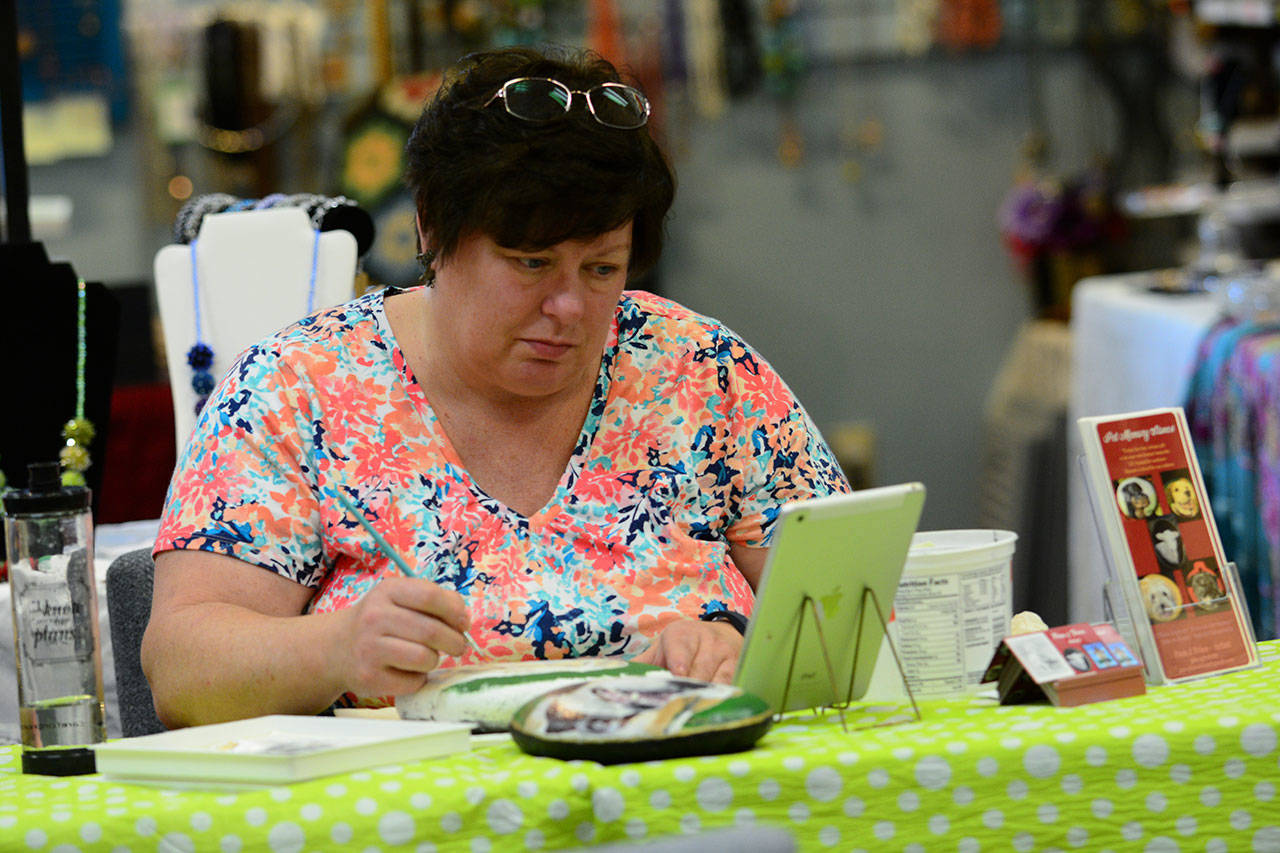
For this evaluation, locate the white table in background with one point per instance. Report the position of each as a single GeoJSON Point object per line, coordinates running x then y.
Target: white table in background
{"type": "Point", "coordinates": [1132, 349]}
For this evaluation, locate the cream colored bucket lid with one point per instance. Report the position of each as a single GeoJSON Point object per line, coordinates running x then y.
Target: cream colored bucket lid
{"type": "Point", "coordinates": [934, 551]}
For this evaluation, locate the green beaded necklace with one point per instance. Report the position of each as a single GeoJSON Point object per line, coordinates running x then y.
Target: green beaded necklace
{"type": "Point", "coordinates": [78, 431]}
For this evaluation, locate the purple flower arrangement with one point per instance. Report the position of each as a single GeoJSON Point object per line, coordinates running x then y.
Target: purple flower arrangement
{"type": "Point", "coordinates": [1048, 216]}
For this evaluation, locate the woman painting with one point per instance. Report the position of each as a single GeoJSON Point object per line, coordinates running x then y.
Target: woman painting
{"type": "Point", "coordinates": [570, 467]}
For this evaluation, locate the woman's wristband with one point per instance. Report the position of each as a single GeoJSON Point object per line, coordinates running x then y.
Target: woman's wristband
{"type": "Point", "coordinates": [737, 620]}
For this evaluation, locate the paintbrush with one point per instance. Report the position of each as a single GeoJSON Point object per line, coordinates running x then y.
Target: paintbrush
{"type": "Point", "coordinates": [394, 556]}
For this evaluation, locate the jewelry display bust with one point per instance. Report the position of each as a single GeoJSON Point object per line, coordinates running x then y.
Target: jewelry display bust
{"type": "Point", "coordinates": [253, 272]}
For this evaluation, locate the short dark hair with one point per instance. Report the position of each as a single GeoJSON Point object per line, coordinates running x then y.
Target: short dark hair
{"type": "Point", "coordinates": [476, 169]}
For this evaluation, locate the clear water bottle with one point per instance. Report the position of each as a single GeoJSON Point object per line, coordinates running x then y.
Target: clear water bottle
{"type": "Point", "coordinates": [49, 544]}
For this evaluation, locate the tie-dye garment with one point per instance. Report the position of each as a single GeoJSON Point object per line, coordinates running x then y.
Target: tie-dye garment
{"type": "Point", "coordinates": [692, 442]}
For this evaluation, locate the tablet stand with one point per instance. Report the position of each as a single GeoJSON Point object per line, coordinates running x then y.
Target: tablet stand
{"type": "Point", "coordinates": [838, 704]}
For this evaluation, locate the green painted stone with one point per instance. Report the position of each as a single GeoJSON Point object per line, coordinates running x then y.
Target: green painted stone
{"type": "Point", "coordinates": [488, 694]}
{"type": "Point", "coordinates": [640, 718]}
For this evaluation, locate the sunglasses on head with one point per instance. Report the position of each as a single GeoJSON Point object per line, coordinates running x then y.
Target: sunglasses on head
{"type": "Point", "coordinates": [541, 99]}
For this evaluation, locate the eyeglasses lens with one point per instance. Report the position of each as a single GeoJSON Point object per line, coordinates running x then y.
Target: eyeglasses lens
{"type": "Point", "coordinates": [618, 106]}
{"type": "Point", "coordinates": [535, 99]}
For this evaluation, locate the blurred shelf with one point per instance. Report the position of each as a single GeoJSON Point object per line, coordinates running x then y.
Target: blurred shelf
{"type": "Point", "coordinates": [1241, 13]}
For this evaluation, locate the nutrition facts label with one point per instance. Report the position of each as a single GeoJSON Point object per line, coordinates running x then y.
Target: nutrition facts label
{"type": "Point", "coordinates": [949, 625]}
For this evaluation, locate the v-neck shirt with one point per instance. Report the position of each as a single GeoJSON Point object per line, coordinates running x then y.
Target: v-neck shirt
{"type": "Point", "coordinates": [691, 442]}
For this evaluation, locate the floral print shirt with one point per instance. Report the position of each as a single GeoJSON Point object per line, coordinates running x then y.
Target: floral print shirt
{"type": "Point", "coordinates": [691, 442]}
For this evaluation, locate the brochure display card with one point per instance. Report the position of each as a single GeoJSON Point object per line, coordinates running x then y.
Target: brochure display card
{"type": "Point", "coordinates": [277, 749]}
{"type": "Point", "coordinates": [1071, 665]}
{"type": "Point", "coordinates": [1170, 585]}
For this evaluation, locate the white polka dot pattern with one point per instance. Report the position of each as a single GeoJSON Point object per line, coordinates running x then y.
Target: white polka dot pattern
{"type": "Point", "coordinates": [1194, 766]}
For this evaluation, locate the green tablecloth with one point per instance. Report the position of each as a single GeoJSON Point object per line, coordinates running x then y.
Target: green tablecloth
{"type": "Point", "coordinates": [1188, 767]}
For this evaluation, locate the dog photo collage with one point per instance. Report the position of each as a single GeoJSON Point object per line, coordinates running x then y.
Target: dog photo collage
{"type": "Point", "coordinates": [1169, 539]}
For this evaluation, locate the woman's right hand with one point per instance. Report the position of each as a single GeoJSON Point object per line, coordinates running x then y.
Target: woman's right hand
{"type": "Point", "coordinates": [394, 636]}
{"type": "Point", "coordinates": [228, 640]}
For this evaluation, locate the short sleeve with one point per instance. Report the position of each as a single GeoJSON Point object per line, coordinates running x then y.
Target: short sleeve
{"type": "Point", "coordinates": [781, 455]}
{"type": "Point", "coordinates": [245, 485]}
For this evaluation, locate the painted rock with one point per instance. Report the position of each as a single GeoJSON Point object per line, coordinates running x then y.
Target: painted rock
{"type": "Point", "coordinates": [640, 718]}
{"type": "Point", "coordinates": [488, 694]}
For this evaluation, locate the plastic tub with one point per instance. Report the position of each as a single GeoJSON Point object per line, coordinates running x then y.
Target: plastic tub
{"type": "Point", "coordinates": [952, 608]}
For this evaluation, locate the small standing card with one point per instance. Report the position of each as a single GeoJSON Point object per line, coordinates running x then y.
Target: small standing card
{"type": "Point", "coordinates": [1071, 665]}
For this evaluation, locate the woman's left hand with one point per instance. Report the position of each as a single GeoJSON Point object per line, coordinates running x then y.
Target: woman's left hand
{"type": "Point", "coordinates": [707, 651]}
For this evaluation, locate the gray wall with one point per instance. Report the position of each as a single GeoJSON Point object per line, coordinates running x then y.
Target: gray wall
{"type": "Point", "coordinates": [889, 300]}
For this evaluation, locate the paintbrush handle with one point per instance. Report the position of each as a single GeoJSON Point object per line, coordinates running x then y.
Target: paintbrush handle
{"type": "Point", "coordinates": [385, 547]}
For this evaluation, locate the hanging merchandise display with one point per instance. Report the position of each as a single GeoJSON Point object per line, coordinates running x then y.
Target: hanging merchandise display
{"type": "Point", "coordinates": [521, 22]}
{"type": "Point", "coordinates": [232, 93]}
{"type": "Point", "coordinates": [675, 67]}
{"type": "Point", "coordinates": [1057, 21]}
{"type": "Point", "coordinates": [785, 58]}
{"type": "Point", "coordinates": [785, 63]}
{"type": "Point", "coordinates": [200, 356]}
{"type": "Point", "coordinates": [742, 60]}
{"type": "Point", "coordinates": [604, 32]}
{"type": "Point", "coordinates": [374, 135]}
{"type": "Point", "coordinates": [965, 24]}
{"type": "Point", "coordinates": [238, 121]}
{"type": "Point", "coordinates": [239, 117]}
{"type": "Point", "coordinates": [341, 44]}
{"type": "Point", "coordinates": [371, 169]}
{"type": "Point", "coordinates": [705, 57]}
{"type": "Point", "coordinates": [393, 260]}
{"type": "Point", "coordinates": [914, 23]}
{"type": "Point", "coordinates": [73, 77]}
{"type": "Point", "coordinates": [648, 70]}
{"type": "Point", "coordinates": [371, 157]}
{"type": "Point", "coordinates": [77, 432]}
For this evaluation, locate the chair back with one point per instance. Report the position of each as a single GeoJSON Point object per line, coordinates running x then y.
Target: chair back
{"type": "Point", "coordinates": [130, 579]}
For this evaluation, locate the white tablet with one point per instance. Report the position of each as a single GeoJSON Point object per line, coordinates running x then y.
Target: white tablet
{"type": "Point", "coordinates": [828, 549]}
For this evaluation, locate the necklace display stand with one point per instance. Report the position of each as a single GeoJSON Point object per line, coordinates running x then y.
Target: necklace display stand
{"type": "Point", "coordinates": [838, 702]}
{"type": "Point", "coordinates": [255, 271]}
{"type": "Point", "coordinates": [40, 314]}
{"type": "Point", "coordinates": [40, 361]}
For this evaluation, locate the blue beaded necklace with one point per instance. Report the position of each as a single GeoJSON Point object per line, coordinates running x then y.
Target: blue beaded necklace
{"type": "Point", "coordinates": [200, 356]}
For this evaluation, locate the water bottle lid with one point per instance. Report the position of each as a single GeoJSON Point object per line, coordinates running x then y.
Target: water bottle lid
{"type": "Point", "coordinates": [45, 493]}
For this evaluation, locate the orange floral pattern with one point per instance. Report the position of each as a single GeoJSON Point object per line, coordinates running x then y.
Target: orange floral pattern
{"type": "Point", "coordinates": [692, 442]}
